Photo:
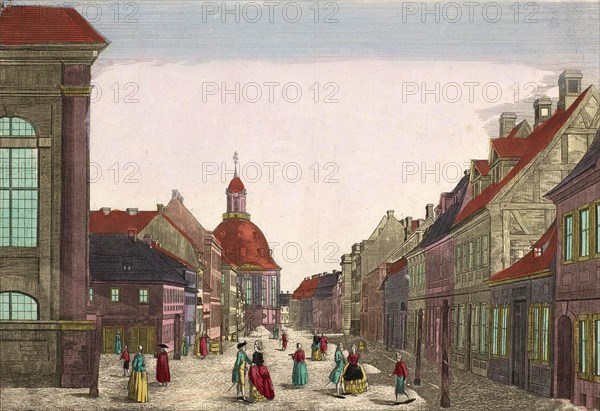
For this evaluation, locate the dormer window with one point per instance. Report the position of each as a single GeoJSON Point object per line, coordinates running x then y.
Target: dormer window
{"type": "Point", "coordinates": [537, 251]}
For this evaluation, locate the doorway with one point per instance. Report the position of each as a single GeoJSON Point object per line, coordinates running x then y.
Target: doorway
{"type": "Point", "coordinates": [519, 343]}
{"type": "Point", "coordinates": [564, 365]}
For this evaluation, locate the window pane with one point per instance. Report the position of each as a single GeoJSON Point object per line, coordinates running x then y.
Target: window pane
{"type": "Point", "coordinates": [503, 348]}
{"type": "Point", "coordinates": [568, 247]}
{"type": "Point", "coordinates": [584, 232]}
{"type": "Point", "coordinates": [598, 228]}
{"type": "Point", "coordinates": [495, 315]}
{"type": "Point", "coordinates": [17, 306]}
{"type": "Point", "coordinates": [535, 329]}
{"type": "Point", "coordinates": [91, 294]}
{"type": "Point", "coordinates": [16, 127]}
{"type": "Point", "coordinates": [582, 347]}
{"type": "Point", "coordinates": [597, 343]}
{"type": "Point", "coordinates": [483, 329]}
{"type": "Point", "coordinates": [545, 332]}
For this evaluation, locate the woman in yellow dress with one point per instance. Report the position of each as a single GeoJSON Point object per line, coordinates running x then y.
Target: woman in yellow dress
{"type": "Point", "coordinates": [138, 381]}
{"type": "Point", "coordinates": [354, 376]}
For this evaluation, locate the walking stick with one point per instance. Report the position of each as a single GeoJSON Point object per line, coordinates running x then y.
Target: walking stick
{"type": "Point", "coordinates": [233, 385]}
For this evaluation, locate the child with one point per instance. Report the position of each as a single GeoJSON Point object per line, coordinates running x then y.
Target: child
{"type": "Point", "coordinates": [125, 358]}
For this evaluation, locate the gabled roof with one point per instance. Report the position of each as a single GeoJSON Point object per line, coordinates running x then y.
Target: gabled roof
{"type": "Point", "coordinates": [513, 145]}
{"type": "Point", "coordinates": [482, 167]}
{"type": "Point", "coordinates": [531, 263]}
{"type": "Point", "coordinates": [442, 226]}
{"type": "Point", "coordinates": [306, 289]}
{"type": "Point", "coordinates": [284, 299]}
{"type": "Point", "coordinates": [109, 252]}
{"type": "Point", "coordinates": [119, 222]}
{"type": "Point", "coordinates": [32, 25]}
{"type": "Point", "coordinates": [537, 141]}
{"type": "Point", "coordinates": [587, 162]}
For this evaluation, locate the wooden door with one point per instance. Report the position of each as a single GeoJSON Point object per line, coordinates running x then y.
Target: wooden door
{"type": "Point", "coordinates": [108, 339]}
{"type": "Point", "coordinates": [519, 343]}
{"type": "Point", "coordinates": [144, 336]}
{"type": "Point", "coordinates": [564, 366]}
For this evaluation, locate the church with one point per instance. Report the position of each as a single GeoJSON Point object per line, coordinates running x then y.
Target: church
{"type": "Point", "coordinates": [246, 248]}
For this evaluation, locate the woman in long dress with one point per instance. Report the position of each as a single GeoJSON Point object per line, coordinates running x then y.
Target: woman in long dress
{"type": "Point", "coordinates": [261, 385]}
{"type": "Point", "coordinates": [316, 347]}
{"type": "Point", "coordinates": [118, 343]}
{"type": "Point", "coordinates": [355, 377]}
{"type": "Point", "coordinates": [204, 345]}
{"type": "Point", "coordinates": [163, 373]}
{"type": "Point", "coordinates": [299, 373]}
{"type": "Point", "coordinates": [401, 374]}
{"type": "Point", "coordinates": [284, 340]}
{"type": "Point", "coordinates": [336, 374]}
{"type": "Point", "coordinates": [137, 389]}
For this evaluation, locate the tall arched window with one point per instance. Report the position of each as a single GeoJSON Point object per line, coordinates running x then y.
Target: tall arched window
{"type": "Point", "coordinates": [17, 306]}
{"type": "Point", "coordinates": [18, 185]}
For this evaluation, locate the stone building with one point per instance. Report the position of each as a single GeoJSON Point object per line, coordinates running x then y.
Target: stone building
{"type": "Point", "coordinates": [45, 72]}
{"type": "Point", "coordinates": [209, 253]}
{"type": "Point", "coordinates": [414, 253]}
{"type": "Point", "coordinates": [139, 290]}
{"type": "Point", "coordinates": [498, 226]}
{"type": "Point", "coordinates": [576, 317]}
{"type": "Point", "coordinates": [245, 246]}
{"type": "Point", "coordinates": [395, 289]}
{"type": "Point", "coordinates": [521, 346]}
{"type": "Point", "coordinates": [230, 305]}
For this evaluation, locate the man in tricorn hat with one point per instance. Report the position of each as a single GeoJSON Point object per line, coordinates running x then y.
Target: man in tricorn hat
{"type": "Point", "coordinates": [238, 375]}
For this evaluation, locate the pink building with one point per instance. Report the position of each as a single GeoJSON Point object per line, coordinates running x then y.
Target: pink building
{"type": "Point", "coordinates": [372, 308]}
{"type": "Point", "coordinates": [439, 263]}
{"type": "Point", "coordinates": [327, 304]}
{"type": "Point", "coordinates": [577, 285]}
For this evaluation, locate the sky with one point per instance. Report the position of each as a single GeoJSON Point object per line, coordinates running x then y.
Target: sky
{"type": "Point", "coordinates": [339, 111]}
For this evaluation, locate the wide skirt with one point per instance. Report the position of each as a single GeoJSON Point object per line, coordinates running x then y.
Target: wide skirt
{"type": "Point", "coordinates": [137, 389]}
{"type": "Point", "coordinates": [355, 379]}
{"type": "Point", "coordinates": [400, 385]}
{"type": "Point", "coordinates": [261, 385]}
{"type": "Point", "coordinates": [299, 373]}
{"type": "Point", "coordinates": [316, 354]}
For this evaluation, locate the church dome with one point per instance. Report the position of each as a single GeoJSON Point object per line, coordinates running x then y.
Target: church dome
{"type": "Point", "coordinates": [244, 244]}
{"type": "Point", "coordinates": [236, 185]}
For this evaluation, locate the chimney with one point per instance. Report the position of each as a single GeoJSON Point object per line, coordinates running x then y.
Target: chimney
{"type": "Point", "coordinates": [542, 108]}
{"type": "Point", "coordinates": [148, 239]}
{"type": "Point", "coordinates": [408, 226]}
{"type": "Point", "coordinates": [390, 213]}
{"type": "Point", "coordinates": [160, 208]}
{"type": "Point", "coordinates": [105, 210]}
{"type": "Point", "coordinates": [429, 211]}
{"type": "Point", "coordinates": [132, 211]}
{"type": "Point", "coordinates": [569, 88]}
{"type": "Point", "coordinates": [507, 123]}
{"type": "Point", "coordinates": [132, 233]}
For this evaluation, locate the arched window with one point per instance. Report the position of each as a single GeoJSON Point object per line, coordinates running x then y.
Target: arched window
{"type": "Point", "coordinates": [18, 186]}
{"type": "Point", "coordinates": [16, 127]}
{"type": "Point", "coordinates": [17, 306]}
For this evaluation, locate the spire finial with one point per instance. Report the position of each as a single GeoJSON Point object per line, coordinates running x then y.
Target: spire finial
{"type": "Point", "coordinates": [235, 163]}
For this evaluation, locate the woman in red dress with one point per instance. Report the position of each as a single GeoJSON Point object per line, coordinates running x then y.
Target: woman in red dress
{"type": "Point", "coordinates": [355, 377]}
{"type": "Point", "coordinates": [163, 374]}
{"type": "Point", "coordinates": [204, 345]}
{"type": "Point", "coordinates": [261, 385]}
{"type": "Point", "coordinates": [284, 340]}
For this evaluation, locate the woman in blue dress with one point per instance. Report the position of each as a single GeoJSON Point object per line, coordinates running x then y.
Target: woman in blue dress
{"type": "Point", "coordinates": [299, 373]}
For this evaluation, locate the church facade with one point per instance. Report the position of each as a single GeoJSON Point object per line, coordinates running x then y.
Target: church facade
{"type": "Point", "coordinates": [246, 247]}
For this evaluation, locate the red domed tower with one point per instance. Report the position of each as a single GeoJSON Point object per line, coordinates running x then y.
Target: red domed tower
{"type": "Point", "coordinates": [246, 248]}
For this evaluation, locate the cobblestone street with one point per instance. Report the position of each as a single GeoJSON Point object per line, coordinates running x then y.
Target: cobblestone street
{"type": "Point", "coordinates": [203, 384]}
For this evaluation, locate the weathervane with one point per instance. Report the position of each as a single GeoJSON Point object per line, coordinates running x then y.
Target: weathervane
{"type": "Point", "coordinates": [235, 163]}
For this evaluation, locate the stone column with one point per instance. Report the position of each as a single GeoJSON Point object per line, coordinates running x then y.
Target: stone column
{"type": "Point", "coordinates": [445, 398]}
{"type": "Point", "coordinates": [417, 380]}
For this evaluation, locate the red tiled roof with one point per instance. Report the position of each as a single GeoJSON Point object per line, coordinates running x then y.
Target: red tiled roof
{"type": "Point", "coordinates": [530, 263]}
{"type": "Point", "coordinates": [537, 141]}
{"type": "Point", "coordinates": [119, 222]}
{"type": "Point", "coordinates": [396, 266]}
{"type": "Point", "coordinates": [511, 145]}
{"type": "Point", "coordinates": [236, 185]}
{"type": "Point", "coordinates": [244, 243]}
{"type": "Point", "coordinates": [306, 289]}
{"type": "Point", "coordinates": [482, 166]}
{"type": "Point", "coordinates": [27, 25]}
